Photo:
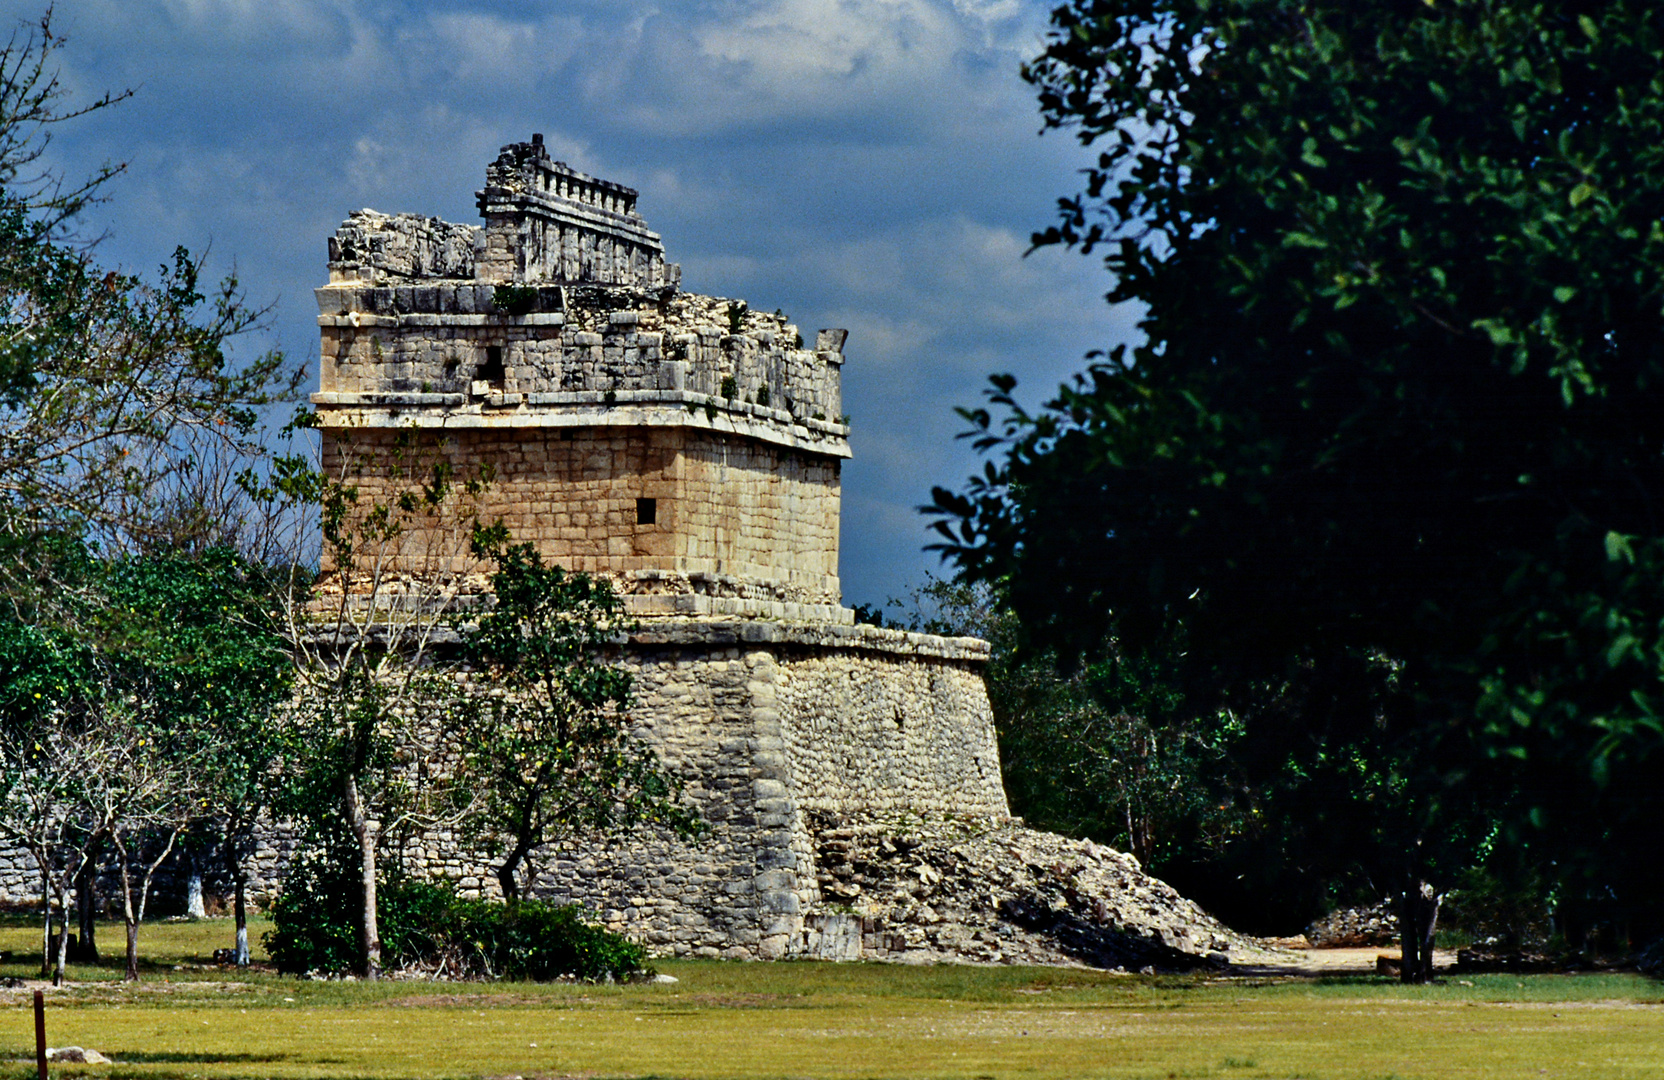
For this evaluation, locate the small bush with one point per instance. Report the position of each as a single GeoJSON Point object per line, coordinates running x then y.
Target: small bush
{"type": "Point", "coordinates": [729, 387]}
{"type": "Point", "coordinates": [535, 940]}
{"type": "Point", "coordinates": [426, 926]}
{"type": "Point", "coordinates": [315, 919]}
{"type": "Point", "coordinates": [514, 299]}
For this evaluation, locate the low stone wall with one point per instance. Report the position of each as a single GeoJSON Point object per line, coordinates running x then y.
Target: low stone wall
{"type": "Point", "coordinates": [769, 723]}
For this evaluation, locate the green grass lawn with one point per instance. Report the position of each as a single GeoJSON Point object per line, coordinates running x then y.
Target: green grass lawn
{"type": "Point", "coordinates": [826, 1020]}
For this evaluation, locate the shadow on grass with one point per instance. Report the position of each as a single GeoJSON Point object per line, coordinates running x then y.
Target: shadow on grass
{"type": "Point", "coordinates": [180, 1057]}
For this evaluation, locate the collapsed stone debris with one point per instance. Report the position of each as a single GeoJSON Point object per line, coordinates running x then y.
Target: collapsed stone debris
{"type": "Point", "coordinates": [1376, 924]}
{"type": "Point", "coordinates": [914, 890]}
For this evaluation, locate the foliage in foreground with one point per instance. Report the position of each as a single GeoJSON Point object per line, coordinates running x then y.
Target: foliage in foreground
{"type": "Point", "coordinates": [425, 926]}
{"type": "Point", "coordinates": [1387, 456]}
{"type": "Point", "coordinates": [548, 751]}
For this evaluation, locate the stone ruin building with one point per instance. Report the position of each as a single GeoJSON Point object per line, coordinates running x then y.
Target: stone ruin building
{"type": "Point", "coordinates": [689, 449]}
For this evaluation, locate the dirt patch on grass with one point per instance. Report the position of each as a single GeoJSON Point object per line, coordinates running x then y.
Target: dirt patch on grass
{"type": "Point", "coordinates": [1321, 962]}
{"type": "Point", "coordinates": [731, 1000]}
{"type": "Point", "coordinates": [469, 1001]}
{"type": "Point", "coordinates": [104, 989]}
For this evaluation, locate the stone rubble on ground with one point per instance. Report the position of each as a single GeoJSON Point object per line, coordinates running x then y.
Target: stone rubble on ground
{"type": "Point", "coordinates": [1355, 927]}
{"type": "Point", "coordinates": [924, 892]}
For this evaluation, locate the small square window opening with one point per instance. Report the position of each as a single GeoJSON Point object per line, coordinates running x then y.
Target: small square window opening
{"type": "Point", "coordinates": [492, 370]}
{"type": "Point", "coordinates": [647, 511]}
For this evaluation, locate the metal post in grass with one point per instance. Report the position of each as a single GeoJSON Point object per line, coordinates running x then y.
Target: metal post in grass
{"type": "Point", "coordinates": [40, 1033]}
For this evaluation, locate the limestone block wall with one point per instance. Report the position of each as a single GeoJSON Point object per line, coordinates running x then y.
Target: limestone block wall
{"type": "Point", "coordinates": [745, 517]}
{"type": "Point", "coordinates": [764, 722]}
{"type": "Point", "coordinates": [438, 339]}
{"type": "Point", "coordinates": [547, 221]}
{"type": "Point", "coordinates": [904, 735]}
{"type": "Point", "coordinates": [776, 728]}
{"type": "Point", "coordinates": [397, 248]}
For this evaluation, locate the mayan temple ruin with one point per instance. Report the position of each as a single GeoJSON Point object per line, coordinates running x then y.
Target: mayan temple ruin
{"type": "Point", "coordinates": [689, 449]}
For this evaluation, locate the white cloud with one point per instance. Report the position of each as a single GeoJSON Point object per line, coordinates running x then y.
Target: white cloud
{"type": "Point", "coordinates": [698, 69]}
{"type": "Point", "coordinates": [864, 163]}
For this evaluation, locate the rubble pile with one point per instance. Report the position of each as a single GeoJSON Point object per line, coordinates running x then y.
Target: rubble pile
{"type": "Point", "coordinates": [1355, 927]}
{"type": "Point", "coordinates": [959, 891]}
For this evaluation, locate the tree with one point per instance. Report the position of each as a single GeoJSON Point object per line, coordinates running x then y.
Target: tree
{"type": "Point", "coordinates": [545, 738]}
{"type": "Point", "coordinates": [201, 632]}
{"type": "Point", "coordinates": [374, 701]}
{"type": "Point", "coordinates": [111, 388]}
{"type": "Point", "coordinates": [145, 709]}
{"type": "Point", "coordinates": [30, 109]}
{"type": "Point", "coordinates": [147, 793]}
{"type": "Point", "coordinates": [1107, 751]}
{"type": "Point", "coordinates": [93, 775]}
{"type": "Point", "coordinates": [1396, 411]}
{"type": "Point", "coordinates": [120, 407]}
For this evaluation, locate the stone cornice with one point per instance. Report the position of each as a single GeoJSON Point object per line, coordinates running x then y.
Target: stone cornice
{"type": "Point", "coordinates": [582, 409]}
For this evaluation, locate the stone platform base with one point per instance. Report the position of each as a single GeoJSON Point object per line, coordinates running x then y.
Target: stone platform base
{"type": "Point", "coordinates": [849, 779]}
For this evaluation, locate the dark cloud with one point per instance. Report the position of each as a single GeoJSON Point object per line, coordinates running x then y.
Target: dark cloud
{"type": "Point", "coordinates": [871, 164]}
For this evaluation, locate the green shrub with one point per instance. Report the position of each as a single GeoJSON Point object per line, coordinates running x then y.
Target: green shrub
{"type": "Point", "coordinates": [426, 925]}
{"type": "Point", "coordinates": [315, 919]}
{"type": "Point", "coordinates": [536, 940]}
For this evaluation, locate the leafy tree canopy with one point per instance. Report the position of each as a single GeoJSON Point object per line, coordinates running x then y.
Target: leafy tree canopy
{"type": "Point", "coordinates": [113, 390]}
{"type": "Point", "coordinates": [1394, 430]}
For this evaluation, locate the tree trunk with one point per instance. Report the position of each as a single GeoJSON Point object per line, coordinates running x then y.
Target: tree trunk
{"type": "Point", "coordinates": [137, 918]}
{"type": "Point", "coordinates": [86, 911]}
{"type": "Point", "coordinates": [508, 873]}
{"type": "Point", "coordinates": [45, 920]}
{"type": "Point", "coordinates": [63, 932]}
{"type": "Point", "coordinates": [1418, 919]}
{"type": "Point", "coordinates": [369, 937]}
{"type": "Point", "coordinates": [129, 916]}
{"type": "Point", "coordinates": [239, 908]}
{"type": "Point", "coordinates": [194, 907]}
{"type": "Point", "coordinates": [237, 847]}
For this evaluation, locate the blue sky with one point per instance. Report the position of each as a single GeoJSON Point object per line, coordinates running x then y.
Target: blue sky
{"type": "Point", "coordinates": [867, 164]}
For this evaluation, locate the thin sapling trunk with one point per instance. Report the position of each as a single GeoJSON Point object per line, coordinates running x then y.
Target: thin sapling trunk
{"type": "Point", "coordinates": [45, 919]}
{"type": "Point", "coordinates": [133, 913]}
{"type": "Point", "coordinates": [239, 905]}
{"type": "Point", "coordinates": [236, 845]}
{"type": "Point", "coordinates": [63, 931]}
{"type": "Point", "coordinates": [194, 907]}
{"type": "Point", "coordinates": [86, 910]}
{"type": "Point", "coordinates": [369, 936]}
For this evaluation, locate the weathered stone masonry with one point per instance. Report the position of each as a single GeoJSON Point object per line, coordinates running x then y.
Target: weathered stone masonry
{"type": "Point", "coordinates": [690, 450]}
